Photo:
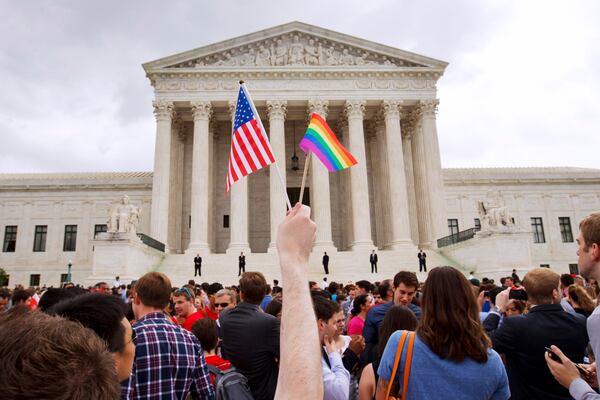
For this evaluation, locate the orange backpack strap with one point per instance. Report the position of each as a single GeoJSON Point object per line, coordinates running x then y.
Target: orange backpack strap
{"type": "Point", "coordinates": [407, 363]}
{"type": "Point", "coordinates": [401, 342]}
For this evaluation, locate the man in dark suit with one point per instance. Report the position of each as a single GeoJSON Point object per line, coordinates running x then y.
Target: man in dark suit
{"type": "Point", "coordinates": [251, 337]}
{"type": "Point", "coordinates": [422, 261]}
{"type": "Point", "coordinates": [326, 263]}
{"type": "Point", "coordinates": [241, 263]}
{"type": "Point", "coordinates": [373, 261]}
{"type": "Point", "coordinates": [198, 265]}
{"type": "Point", "coordinates": [523, 338]}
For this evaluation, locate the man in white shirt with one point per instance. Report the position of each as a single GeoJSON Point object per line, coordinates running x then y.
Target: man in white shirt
{"type": "Point", "coordinates": [336, 379]}
{"type": "Point", "coordinates": [565, 372]}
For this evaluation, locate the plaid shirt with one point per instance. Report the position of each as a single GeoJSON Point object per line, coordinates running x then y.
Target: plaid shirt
{"type": "Point", "coordinates": [169, 363]}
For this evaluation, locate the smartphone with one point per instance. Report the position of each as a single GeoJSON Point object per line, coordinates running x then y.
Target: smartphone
{"type": "Point", "coordinates": [553, 355]}
{"type": "Point", "coordinates": [583, 372]}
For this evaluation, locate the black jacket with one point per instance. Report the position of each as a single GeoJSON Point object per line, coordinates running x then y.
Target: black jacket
{"type": "Point", "coordinates": [251, 342]}
{"type": "Point", "coordinates": [522, 339]}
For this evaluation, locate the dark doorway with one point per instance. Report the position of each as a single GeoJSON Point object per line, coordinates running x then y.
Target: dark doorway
{"type": "Point", "coordinates": [294, 194]}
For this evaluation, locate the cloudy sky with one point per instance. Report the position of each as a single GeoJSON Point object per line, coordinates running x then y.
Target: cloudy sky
{"type": "Point", "coordinates": [522, 87]}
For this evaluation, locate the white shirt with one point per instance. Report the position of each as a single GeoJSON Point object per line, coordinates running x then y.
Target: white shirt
{"type": "Point", "coordinates": [336, 380]}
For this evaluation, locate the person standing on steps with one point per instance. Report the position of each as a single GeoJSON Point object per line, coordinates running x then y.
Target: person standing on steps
{"type": "Point", "coordinates": [326, 263]}
{"type": "Point", "coordinates": [373, 261]}
{"type": "Point", "coordinates": [241, 263]}
{"type": "Point", "coordinates": [198, 265]}
{"type": "Point", "coordinates": [422, 261]}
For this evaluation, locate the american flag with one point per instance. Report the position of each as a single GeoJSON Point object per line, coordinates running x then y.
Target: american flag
{"type": "Point", "coordinates": [250, 148]}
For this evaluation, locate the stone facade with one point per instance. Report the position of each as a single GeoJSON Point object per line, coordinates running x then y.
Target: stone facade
{"type": "Point", "coordinates": [382, 104]}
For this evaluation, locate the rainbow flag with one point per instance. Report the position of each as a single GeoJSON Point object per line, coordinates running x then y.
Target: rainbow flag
{"type": "Point", "coordinates": [321, 141]}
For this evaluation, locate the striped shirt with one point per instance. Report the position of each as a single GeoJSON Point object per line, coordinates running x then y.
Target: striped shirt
{"type": "Point", "coordinates": [169, 363]}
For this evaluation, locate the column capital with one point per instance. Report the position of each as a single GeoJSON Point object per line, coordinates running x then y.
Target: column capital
{"type": "Point", "coordinates": [320, 107]}
{"type": "Point", "coordinates": [201, 110]}
{"type": "Point", "coordinates": [277, 109]}
{"type": "Point", "coordinates": [163, 110]}
{"type": "Point", "coordinates": [429, 107]}
{"type": "Point", "coordinates": [355, 108]}
{"type": "Point", "coordinates": [391, 108]}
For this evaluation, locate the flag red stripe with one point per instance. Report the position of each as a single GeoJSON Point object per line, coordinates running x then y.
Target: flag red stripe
{"type": "Point", "coordinates": [238, 162]}
{"type": "Point", "coordinates": [255, 148]}
{"type": "Point", "coordinates": [244, 150]}
{"type": "Point", "coordinates": [263, 142]}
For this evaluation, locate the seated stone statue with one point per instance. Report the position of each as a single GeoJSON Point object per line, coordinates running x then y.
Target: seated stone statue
{"type": "Point", "coordinates": [123, 217]}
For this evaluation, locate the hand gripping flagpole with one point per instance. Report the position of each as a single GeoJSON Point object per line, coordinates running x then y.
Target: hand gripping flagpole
{"type": "Point", "coordinates": [283, 188]}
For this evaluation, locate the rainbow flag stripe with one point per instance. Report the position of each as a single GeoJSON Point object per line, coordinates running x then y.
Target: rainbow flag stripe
{"type": "Point", "coordinates": [321, 141]}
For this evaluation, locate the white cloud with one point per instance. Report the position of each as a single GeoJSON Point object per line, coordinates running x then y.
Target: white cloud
{"type": "Point", "coordinates": [521, 87]}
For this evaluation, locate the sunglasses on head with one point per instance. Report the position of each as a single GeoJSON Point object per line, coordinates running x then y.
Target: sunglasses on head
{"type": "Point", "coordinates": [183, 291]}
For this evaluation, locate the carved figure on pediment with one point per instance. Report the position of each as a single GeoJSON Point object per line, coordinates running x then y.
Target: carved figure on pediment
{"type": "Point", "coordinates": [228, 61]}
{"type": "Point", "coordinates": [296, 52]}
{"type": "Point", "coordinates": [123, 217]}
{"type": "Point", "coordinates": [199, 63]}
{"type": "Point", "coordinates": [360, 60]}
{"type": "Point", "coordinates": [279, 53]}
{"type": "Point", "coordinates": [330, 55]}
{"type": "Point", "coordinates": [248, 58]}
{"type": "Point", "coordinates": [312, 54]}
{"type": "Point", "coordinates": [346, 58]}
{"type": "Point", "coordinates": [263, 58]}
{"type": "Point", "coordinates": [386, 61]}
{"type": "Point", "coordinates": [493, 214]}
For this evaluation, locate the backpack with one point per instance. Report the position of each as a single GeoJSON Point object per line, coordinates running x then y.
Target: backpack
{"type": "Point", "coordinates": [230, 384]}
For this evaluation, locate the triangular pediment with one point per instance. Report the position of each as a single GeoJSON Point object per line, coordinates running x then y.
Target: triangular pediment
{"type": "Point", "coordinates": [294, 45]}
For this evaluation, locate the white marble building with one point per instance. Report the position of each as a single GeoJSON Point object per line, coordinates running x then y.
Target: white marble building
{"type": "Point", "coordinates": [381, 102]}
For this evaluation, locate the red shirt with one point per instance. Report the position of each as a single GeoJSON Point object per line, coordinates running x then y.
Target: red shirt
{"type": "Point", "coordinates": [191, 320]}
{"type": "Point", "coordinates": [209, 314]}
{"type": "Point", "coordinates": [218, 362]}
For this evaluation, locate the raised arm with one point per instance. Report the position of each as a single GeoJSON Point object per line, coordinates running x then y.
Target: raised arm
{"type": "Point", "coordinates": [300, 372]}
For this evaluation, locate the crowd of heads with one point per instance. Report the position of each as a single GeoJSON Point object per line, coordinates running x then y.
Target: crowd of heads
{"type": "Point", "coordinates": [83, 337]}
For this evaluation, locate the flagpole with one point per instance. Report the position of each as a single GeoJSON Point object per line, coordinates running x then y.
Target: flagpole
{"type": "Point", "coordinates": [306, 163]}
{"type": "Point", "coordinates": [287, 198]}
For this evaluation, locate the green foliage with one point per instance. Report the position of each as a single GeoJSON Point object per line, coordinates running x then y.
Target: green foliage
{"type": "Point", "coordinates": [3, 277]}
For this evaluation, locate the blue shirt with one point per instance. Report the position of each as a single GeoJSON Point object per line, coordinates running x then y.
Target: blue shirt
{"type": "Point", "coordinates": [265, 302]}
{"type": "Point", "coordinates": [375, 318]}
{"type": "Point", "coordinates": [169, 363]}
{"type": "Point", "coordinates": [432, 377]}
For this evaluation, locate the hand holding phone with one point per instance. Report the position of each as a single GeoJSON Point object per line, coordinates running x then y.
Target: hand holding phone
{"type": "Point", "coordinates": [583, 372]}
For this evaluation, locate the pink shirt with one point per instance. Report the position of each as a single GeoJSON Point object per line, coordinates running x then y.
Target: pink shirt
{"type": "Point", "coordinates": [355, 326]}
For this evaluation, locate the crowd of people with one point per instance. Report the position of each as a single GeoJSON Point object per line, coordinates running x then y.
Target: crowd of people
{"type": "Point", "coordinates": [451, 336]}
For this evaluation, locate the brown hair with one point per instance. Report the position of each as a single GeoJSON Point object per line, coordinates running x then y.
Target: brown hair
{"type": "Point", "coordinates": [590, 230]}
{"type": "Point", "coordinates": [154, 290]}
{"type": "Point", "coordinates": [43, 356]}
{"type": "Point", "coordinates": [408, 278]}
{"type": "Point", "coordinates": [207, 333]}
{"type": "Point", "coordinates": [581, 297]}
{"type": "Point", "coordinates": [253, 286]}
{"type": "Point", "coordinates": [539, 284]}
{"type": "Point", "coordinates": [520, 305]}
{"type": "Point", "coordinates": [396, 318]}
{"type": "Point", "coordinates": [450, 322]}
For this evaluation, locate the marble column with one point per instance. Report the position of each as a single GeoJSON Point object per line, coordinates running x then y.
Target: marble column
{"type": "Point", "coordinates": [382, 186]}
{"type": "Point", "coordinates": [213, 133]}
{"type": "Point", "coordinates": [361, 219]}
{"type": "Point", "coordinates": [176, 185]}
{"type": "Point", "coordinates": [161, 178]}
{"type": "Point", "coordinates": [396, 177]}
{"type": "Point", "coordinates": [421, 189]}
{"type": "Point", "coordinates": [276, 111]}
{"type": "Point", "coordinates": [345, 189]}
{"type": "Point", "coordinates": [201, 112]}
{"type": "Point", "coordinates": [238, 209]}
{"type": "Point", "coordinates": [437, 199]}
{"type": "Point", "coordinates": [407, 124]}
{"type": "Point", "coordinates": [319, 189]}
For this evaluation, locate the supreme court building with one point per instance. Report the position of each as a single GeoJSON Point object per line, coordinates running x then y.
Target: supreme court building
{"type": "Point", "coordinates": [380, 101]}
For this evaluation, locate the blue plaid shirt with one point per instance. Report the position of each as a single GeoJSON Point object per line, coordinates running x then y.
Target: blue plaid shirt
{"type": "Point", "coordinates": [169, 363]}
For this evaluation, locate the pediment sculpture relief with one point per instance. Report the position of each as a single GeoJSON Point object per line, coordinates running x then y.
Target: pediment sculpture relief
{"type": "Point", "coordinates": [296, 49]}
